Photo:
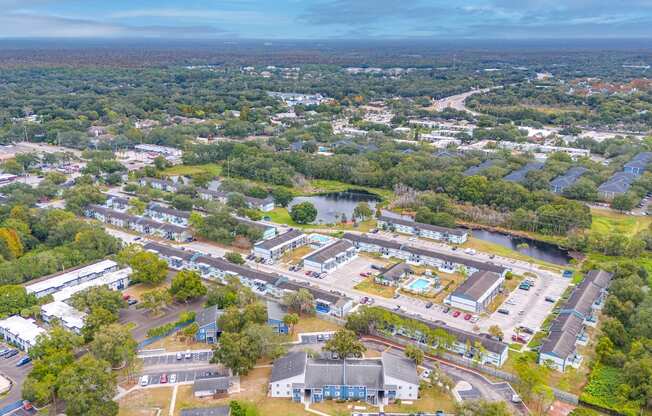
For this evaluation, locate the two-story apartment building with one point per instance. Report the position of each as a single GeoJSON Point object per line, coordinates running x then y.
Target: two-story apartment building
{"type": "Point", "coordinates": [433, 232]}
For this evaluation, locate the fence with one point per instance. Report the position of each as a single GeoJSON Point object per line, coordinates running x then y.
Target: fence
{"type": "Point", "coordinates": [152, 340]}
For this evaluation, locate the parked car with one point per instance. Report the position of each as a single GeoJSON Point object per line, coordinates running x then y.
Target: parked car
{"type": "Point", "coordinates": [179, 356]}
{"type": "Point", "coordinates": [396, 296]}
{"type": "Point", "coordinates": [173, 378]}
{"type": "Point", "coordinates": [467, 316]}
{"type": "Point", "coordinates": [550, 299]}
{"type": "Point", "coordinates": [397, 308]}
{"type": "Point", "coordinates": [144, 380]}
{"type": "Point", "coordinates": [518, 338]}
{"type": "Point", "coordinates": [3, 352]}
{"type": "Point", "coordinates": [131, 302]}
{"type": "Point", "coordinates": [526, 330]}
{"type": "Point", "coordinates": [503, 311]}
{"type": "Point", "coordinates": [23, 361]}
{"type": "Point", "coordinates": [456, 314]}
{"type": "Point", "coordinates": [164, 378]}
{"type": "Point", "coordinates": [364, 300]}
{"type": "Point", "coordinates": [447, 309]}
{"type": "Point", "coordinates": [11, 353]}
{"type": "Point", "coordinates": [188, 355]}
{"type": "Point", "coordinates": [429, 305]}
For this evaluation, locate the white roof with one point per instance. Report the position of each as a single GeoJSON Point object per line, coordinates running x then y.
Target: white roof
{"type": "Point", "coordinates": [62, 279]}
{"type": "Point", "coordinates": [22, 328]}
{"type": "Point", "coordinates": [69, 316]}
{"type": "Point", "coordinates": [104, 280]}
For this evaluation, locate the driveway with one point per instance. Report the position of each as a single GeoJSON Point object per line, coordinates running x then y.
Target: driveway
{"type": "Point", "coordinates": [197, 357]}
{"type": "Point", "coordinates": [16, 374]}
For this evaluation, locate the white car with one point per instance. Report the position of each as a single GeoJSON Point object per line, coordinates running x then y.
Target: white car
{"type": "Point", "coordinates": [144, 380]}
{"type": "Point", "coordinates": [173, 378]}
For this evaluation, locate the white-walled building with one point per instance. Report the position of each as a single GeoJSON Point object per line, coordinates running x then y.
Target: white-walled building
{"type": "Point", "coordinates": [73, 277]}
{"type": "Point", "coordinates": [331, 257]}
{"type": "Point", "coordinates": [433, 232]}
{"type": "Point", "coordinates": [274, 248]}
{"type": "Point", "coordinates": [20, 332]}
{"type": "Point", "coordinates": [69, 317]}
{"type": "Point", "coordinates": [476, 292]}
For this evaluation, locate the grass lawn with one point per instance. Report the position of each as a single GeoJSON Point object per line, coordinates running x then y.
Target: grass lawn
{"type": "Point", "coordinates": [314, 324]}
{"type": "Point", "coordinates": [137, 290]}
{"type": "Point", "coordinates": [369, 286]}
{"type": "Point", "coordinates": [430, 400]}
{"type": "Point", "coordinates": [605, 221]}
{"type": "Point", "coordinates": [189, 170]}
{"type": "Point", "coordinates": [253, 389]}
{"type": "Point", "coordinates": [295, 256]}
{"type": "Point", "coordinates": [146, 402]}
{"type": "Point", "coordinates": [281, 215]}
{"type": "Point", "coordinates": [334, 408]}
{"type": "Point", "coordinates": [497, 249]}
{"type": "Point", "coordinates": [449, 281]}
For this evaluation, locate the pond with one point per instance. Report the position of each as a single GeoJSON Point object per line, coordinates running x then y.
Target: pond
{"type": "Point", "coordinates": [331, 206]}
{"type": "Point", "coordinates": [537, 249]}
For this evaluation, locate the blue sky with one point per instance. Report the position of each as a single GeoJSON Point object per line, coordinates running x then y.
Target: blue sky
{"type": "Point", "coordinates": [326, 19]}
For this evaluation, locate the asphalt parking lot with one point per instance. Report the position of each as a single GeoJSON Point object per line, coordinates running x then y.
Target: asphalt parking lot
{"type": "Point", "coordinates": [171, 359]}
{"type": "Point", "coordinates": [528, 307]}
{"type": "Point", "coordinates": [182, 376]}
{"type": "Point", "coordinates": [15, 374]}
{"type": "Point", "coordinates": [315, 338]}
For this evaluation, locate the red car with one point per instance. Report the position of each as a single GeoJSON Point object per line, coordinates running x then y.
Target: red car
{"type": "Point", "coordinates": [518, 338]}
{"type": "Point", "coordinates": [467, 316]}
{"type": "Point", "coordinates": [456, 314]}
{"type": "Point", "coordinates": [164, 378]}
{"type": "Point", "coordinates": [308, 273]}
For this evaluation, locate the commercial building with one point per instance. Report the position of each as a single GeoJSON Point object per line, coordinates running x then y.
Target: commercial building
{"type": "Point", "coordinates": [376, 381]}
{"type": "Point", "coordinates": [617, 184]}
{"type": "Point", "coordinates": [20, 332]}
{"type": "Point", "coordinates": [274, 248]}
{"type": "Point", "coordinates": [331, 257]}
{"type": "Point", "coordinates": [418, 256]}
{"type": "Point", "coordinates": [560, 183]}
{"type": "Point", "coordinates": [433, 232]}
{"type": "Point", "coordinates": [72, 277]}
{"type": "Point", "coordinates": [476, 292]}
{"type": "Point", "coordinates": [638, 164]}
{"type": "Point", "coordinates": [568, 330]}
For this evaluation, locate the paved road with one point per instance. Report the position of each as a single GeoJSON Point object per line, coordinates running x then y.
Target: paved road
{"type": "Point", "coordinates": [482, 388]}
{"type": "Point", "coordinates": [457, 102]}
{"type": "Point", "coordinates": [16, 374]}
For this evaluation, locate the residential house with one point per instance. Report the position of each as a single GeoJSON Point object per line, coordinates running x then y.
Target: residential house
{"type": "Point", "coordinates": [617, 184]}
{"type": "Point", "coordinates": [166, 214]}
{"type": "Point", "coordinates": [434, 232]}
{"type": "Point", "coordinates": [331, 257]}
{"type": "Point", "coordinates": [560, 183]}
{"type": "Point", "coordinates": [20, 331]}
{"type": "Point", "coordinates": [275, 315]}
{"type": "Point", "coordinates": [313, 380]}
{"type": "Point", "coordinates": [72, 277]}
{"type": "Point", "coordinates": [206, 321]}
{"type": "Point", "coordinates": [394, 274]}
{"type": "Point", "coordinates": [69, 317]}
{"type": "Point", "coordinates": [476, 292]}
{"type": "Point", "coordinates": [274, 248]}
{"type": "Point", "coordinates": [638, 164]}
{"type": "Point", "coordinates": [520, 175]}
{"type": "Point", "coordinates": [160, 184]}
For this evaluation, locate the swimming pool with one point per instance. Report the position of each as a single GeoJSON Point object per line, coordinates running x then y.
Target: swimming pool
{"type": "Point", "coordinates": [319, 240]}
{"type": "Point", "coordinates": [419, 285]}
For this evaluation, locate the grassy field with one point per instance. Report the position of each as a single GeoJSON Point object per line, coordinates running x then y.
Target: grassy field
{"type": "Point", "coordinates": [282, 216]}
{"type": "Point", "coordinates": [430, 400]}
{"type": "Point", "coordinates": [314, 324]}
{"type": "Point", "coordinates": [369, 286]}
{"type": "Point", "coordinates": [146, 402]}
{"type": "Point", "coordinates": [189, 170]}
{"type": "Point", "coordinates": [502, 251]}
{"type": "Point", "coordinates": [606, 221]}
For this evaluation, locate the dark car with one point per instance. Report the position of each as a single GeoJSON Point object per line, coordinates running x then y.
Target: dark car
{"type": "Point", "coordinates": [23, 361]}
{"type": "Point", "coordinates": [11, 353]}
{"type": "Point", "coordinates": [503, 311]}
{"type": "Point", "coordinates": [132, 301]}
{"type": "Point", "coordinates": [429, 305]}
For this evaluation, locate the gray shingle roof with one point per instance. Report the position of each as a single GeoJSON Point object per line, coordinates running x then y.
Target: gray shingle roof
{"type": "Point", "coordinates": [168, 251]}
{"type": "Point", "coordinates": [280, 239]}
{"type": "Point", "coordinates": [619, 183]}
{"type": "Point", "coordinates": [640, 161]}
{"type": "Point", "coordinates": [600, 278]}
{"type": "Point", "coordinates": [519, 175]}
{"type": "Point", "coordinates": [476, 285]}
{"type": "Point", "coordinates": [169, 211]}
{"type": "Point", "coordinates": [582, 298]}
{"type": "Point", "coordinates": [569, 178]}
{"type": "Point", "coordinates": [420, 225]}
{"type": "Point", "coordinates": [559, 343]}
{"type": "Point", "coordinates": [330, 251]}
{"type": "Point", "coordinates": [474, 170]}
{"type": "Point", "coordinates": [275, 311]}
{"type": "Point", "coordinates": [400, 368]}
{"type": "Point", "coordinates": [290, 365]}
{"type": "Point", "coordinates": [396, 271]}
{"type": "Point", "coordinates": [207, 316]}
{"type": "Point", "coordinates": [214, 384]}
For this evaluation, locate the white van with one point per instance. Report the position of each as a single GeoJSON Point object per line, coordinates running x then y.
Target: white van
{"type": "Point", "coordinates": [144, 380]}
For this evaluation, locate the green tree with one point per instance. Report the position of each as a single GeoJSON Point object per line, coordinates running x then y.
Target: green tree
{"type": "Point", "coordinates": [78, 197]}
{"type": "Point", "coordinates": [233, 257]}
{"type": "Point", "coordinates": [232, 320]}
{"type": "Point", "coordinates": [624, 202]}
{"type": "Point", "coordinates": [291, 320]}
{"type": "Point", "coordinates": [303, 213]}
{"type": "Point", "coordinates": [14, 298]}
{"type": "Point", "coordinates": [155, 300]}
{"type": "Point", "coordinates": [98, 297]}
{"type": "Point", "coordinates": [114, 344]}
{"type": "Point", "coordinates": [236, 351]}
{"type": "Point", "coordinates": [282, 196]}
{"type": "Point", "coordinates": [494, 330]}
{"type": "Point", "coordinates": [414, 353]}
{"type": "Point", "coordinates": [88, 386]}
{"type": "Point", "coordinates": [362, 211]}
{"type": "Point", "coordinates": [345, 344]}
{"type": "Point", "coordinates": [300, 301]}
{"type": "Point", "coordinates": [187, 285]}
{"type": "Point", "coordinates": [148, 268]}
